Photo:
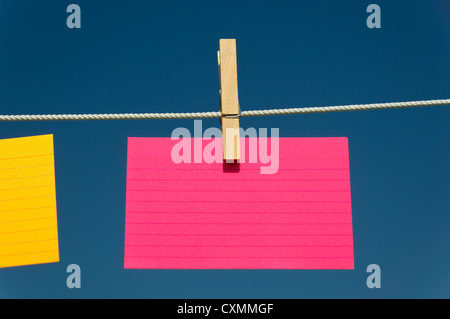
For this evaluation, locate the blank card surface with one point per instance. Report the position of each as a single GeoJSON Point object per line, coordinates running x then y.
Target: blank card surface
{"type": "Point", "coordinates": [28, 226]}
{"type": "Point", "coordinates": [227, 216]}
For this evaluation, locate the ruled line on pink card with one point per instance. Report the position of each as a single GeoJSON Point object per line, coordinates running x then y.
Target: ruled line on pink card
{"type": "Point", "coordinates": [263, 257]}
{"type": "Point", "coordinates": [236, 218]}
{"type": "Point", "coordinates": [249, 180]}
{"type": "Point", "coordinates": [196, 223]}
{"type": "Point", "coordinates": [211, 212]}
{"type": "Point", "coordinates": [235, 201]}
{"type": "Point", "coordinates": [235, 246]}
{"type": "Point", "coordinates": [231, 240]}
{"type": "Point", "coordinates": [203, 216]}
{"type": "Point", "coordinates": [238, 207]}
{"type": "Point", "coordinates": [233, 191]}
{"type": "Point", "coordinates": [231, 170]}
{"type": "Point", "coordinates": [207, 235]}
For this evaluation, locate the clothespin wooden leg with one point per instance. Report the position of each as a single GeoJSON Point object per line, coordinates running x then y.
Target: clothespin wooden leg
{"type": "Point", "coordinates": [229, 102]}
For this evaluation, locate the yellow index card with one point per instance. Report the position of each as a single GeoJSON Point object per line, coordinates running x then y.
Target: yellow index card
{"type": "Point", "coordinates": [28, 225]}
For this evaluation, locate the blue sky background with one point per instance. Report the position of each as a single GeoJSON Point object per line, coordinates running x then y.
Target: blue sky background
{"type": "Point", "coordinates": [146, 56]}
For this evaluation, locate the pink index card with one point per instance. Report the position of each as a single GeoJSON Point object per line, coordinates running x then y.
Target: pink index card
{"type": "Point", "coordinates": [227, 216]}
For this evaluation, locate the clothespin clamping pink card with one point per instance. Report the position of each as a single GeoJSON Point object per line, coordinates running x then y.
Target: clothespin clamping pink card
{"type": "Point", "coordinates": [283, 203]}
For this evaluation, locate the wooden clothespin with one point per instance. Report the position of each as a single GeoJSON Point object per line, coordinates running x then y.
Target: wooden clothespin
{"type": "Point", "coordinates": [229, 102]}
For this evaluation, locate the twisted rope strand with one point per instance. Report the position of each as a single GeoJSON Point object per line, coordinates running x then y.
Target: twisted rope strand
{"type": "Point", "coordinates": [342, 108]}
{"type": "Point", "coordinates": [197, 115]}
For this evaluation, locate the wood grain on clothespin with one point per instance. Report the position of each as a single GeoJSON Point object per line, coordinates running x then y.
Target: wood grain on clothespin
{"type": "Point", "coordinates": [229, 102]}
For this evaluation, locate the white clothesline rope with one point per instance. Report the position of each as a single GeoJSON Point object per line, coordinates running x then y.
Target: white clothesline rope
{"type": "Point", "coordinates": [197, 115]}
